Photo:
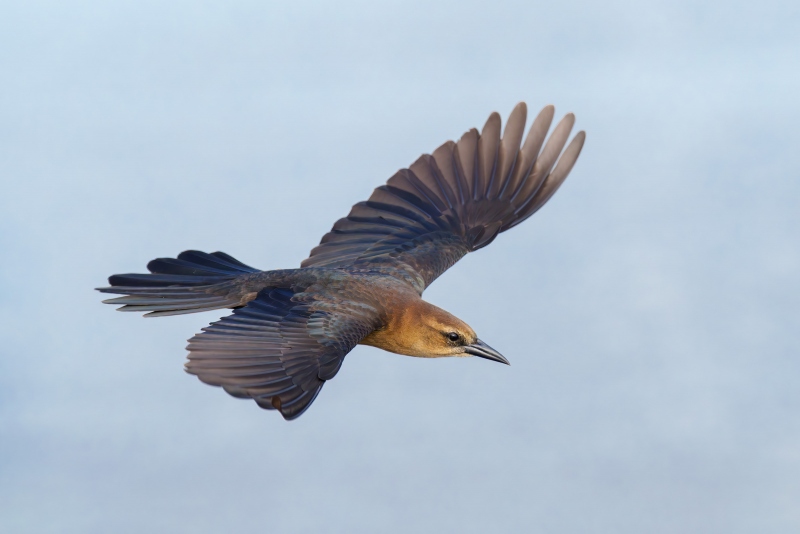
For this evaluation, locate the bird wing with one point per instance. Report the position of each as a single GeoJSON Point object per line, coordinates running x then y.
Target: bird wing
{"type": "Point", "coordinates": [280, 348]}
{"type": "Point", "coordinates": [454, 201]}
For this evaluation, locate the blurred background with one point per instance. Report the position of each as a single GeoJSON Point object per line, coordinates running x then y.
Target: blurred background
{"type": "Point", "coordinates": [651, 311]}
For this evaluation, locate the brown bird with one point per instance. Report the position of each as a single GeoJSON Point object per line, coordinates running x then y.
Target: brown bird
{"type": "Point", "coordinates": [291, 329]}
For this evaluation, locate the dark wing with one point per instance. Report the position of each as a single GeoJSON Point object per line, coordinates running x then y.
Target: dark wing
{"type": "Point", "coordinates": [279, 349]}
{"type": "Point", "coordinates": [455, 201]}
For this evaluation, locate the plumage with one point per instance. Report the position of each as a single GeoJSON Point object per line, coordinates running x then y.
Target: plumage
{"type": "Point", "coordinates": [291, 329]}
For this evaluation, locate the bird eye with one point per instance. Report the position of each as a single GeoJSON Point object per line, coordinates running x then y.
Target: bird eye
{"type": "Point", "coordinates": [453, 336]}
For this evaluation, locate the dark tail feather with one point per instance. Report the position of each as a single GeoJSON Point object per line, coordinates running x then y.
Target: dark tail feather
{"type": "Point", "coordinates": [194, 282]}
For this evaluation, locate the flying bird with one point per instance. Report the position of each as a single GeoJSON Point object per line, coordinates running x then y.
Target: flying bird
{"type": "Point", "coordinates": [290, 329]}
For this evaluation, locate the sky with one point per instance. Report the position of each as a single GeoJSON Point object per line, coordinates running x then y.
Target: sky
{"type": "Point", "coordinates": [650, 311]}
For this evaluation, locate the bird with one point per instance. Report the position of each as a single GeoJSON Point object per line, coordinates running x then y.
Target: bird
{"type": "Point", "coordinates": [291, 329]}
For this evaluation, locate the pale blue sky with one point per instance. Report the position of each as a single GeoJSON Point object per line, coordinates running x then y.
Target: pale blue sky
{"type": "Point", "coordinates": [651, 311]}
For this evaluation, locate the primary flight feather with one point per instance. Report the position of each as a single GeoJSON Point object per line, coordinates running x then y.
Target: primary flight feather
{"type": "Point", "coordinates": [291, 329]}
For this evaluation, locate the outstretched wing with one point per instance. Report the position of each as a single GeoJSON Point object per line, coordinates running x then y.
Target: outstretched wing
{"type": "Point", "coordinates": [279, 349]}
{"type": "Point", "coordinates": [455, 201]}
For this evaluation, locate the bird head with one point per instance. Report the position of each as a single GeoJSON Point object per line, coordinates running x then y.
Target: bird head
{"type": "Point", "coordinates": [438, 333]}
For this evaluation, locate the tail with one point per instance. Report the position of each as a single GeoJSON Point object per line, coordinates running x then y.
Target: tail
{"type": "Point", "coordinates": [194, 282]}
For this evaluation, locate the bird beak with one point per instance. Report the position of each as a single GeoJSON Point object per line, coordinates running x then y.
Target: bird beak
{"type": "Point", "coordinates": [479, 348]}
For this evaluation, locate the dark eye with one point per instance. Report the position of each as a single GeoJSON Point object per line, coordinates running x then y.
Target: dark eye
{"type": "Point", "coordinates": [453, 336]}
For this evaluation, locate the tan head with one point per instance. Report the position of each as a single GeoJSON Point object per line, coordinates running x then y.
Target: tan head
{"type": "Point", "coordinates": [427, 331]}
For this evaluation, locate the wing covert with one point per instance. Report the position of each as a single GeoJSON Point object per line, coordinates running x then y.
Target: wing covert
{"type": "Point", "coordinates": [279, 349]}
{"type": "Point", "coordinates": [455, 201]}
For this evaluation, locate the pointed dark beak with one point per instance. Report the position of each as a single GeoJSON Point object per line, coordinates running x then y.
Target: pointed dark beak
{"type": "Point", "coordinates": [479, 348]}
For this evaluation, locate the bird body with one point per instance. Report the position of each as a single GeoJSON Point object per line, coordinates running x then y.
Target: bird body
{"type": "Point", "coordinates": [291, 329]}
